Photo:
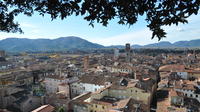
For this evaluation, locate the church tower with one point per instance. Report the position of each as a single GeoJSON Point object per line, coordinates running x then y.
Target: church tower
{"type": "Point", "coordinates": [128, 52]}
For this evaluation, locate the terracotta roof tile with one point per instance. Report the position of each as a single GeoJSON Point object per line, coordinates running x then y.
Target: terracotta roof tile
{"type": "Point", "coordinates": [44, 108]}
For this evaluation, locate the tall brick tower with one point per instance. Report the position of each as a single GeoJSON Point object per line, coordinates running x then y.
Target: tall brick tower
{"type": "Point", "coordinates": [2, 53]}
{"type": "Point", "coordinates": [86, 62]}
{"type": "Point", "coordinates": [128, 52]}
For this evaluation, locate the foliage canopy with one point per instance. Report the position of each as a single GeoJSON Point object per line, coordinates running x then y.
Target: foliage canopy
{"type": "Point", "coordinates": [158, 13]}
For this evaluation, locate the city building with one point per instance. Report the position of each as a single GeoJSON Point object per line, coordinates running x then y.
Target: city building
{"type": "Point", "coordinates": [2, 53]}
{"type": "Point", "coordinates": [86, 62]}
{"type": "Point", "coordinates": [128, 52]}
{"type": "Point", "coordinates": [45, 108]}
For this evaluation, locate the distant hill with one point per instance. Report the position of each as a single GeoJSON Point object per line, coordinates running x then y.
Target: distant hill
{"type": "Point", "coordinates": [166, 44]}
{"type": "Point", "coordinates": [160, 44]}
{"type": "Point", "coordinates": [63, 43]}
{"type": "Point", "coordinates": [71, 43]}
{"type": "Point", "coordinates": [192, 43]}
{"type": "Point", "coordinates": [116, 46]}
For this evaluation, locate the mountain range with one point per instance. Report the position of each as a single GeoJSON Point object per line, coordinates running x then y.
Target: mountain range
{"type": "Point", "coordinates": [72, 42]}
{"type": "Point", "coordinates": [178, 44]}
{"type": "Point", "coordinates": [59, 44]}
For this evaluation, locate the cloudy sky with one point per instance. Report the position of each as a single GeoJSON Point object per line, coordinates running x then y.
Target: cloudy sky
{"type": "Point", "coordinates": [114, 34]}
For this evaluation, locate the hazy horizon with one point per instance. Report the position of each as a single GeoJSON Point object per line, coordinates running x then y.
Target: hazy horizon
{"type": "Point", "coordinates": [114, 34]}
{"type": "Point", "coordinates": [99, 43]}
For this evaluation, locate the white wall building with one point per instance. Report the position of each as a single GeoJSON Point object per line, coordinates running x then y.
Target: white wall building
{"type": "Point", "coordinates": [183, 75]}
{"type": "Point", "coordinates": [78, 88]}
{"type": "Point", "coordinates": [189, 92]}
{"type": "Point", "coordinates": [88, 84]}
{"type": "Point", "coordinates": [119, 70]}
{"type": "Point", "coordinates": [52, 83]}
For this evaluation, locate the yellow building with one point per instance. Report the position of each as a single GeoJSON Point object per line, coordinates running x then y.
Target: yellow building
{"type": "Point", "coordinates": [193, 73]}
{"type": "Point", "coordinates": [114, 97]}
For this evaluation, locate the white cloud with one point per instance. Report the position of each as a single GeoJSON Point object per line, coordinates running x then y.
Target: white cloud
{"type": "Point", "coordinates": [135, 37]}
{"type": "Point", "coordinates": [35, 31]}
{"type": "Point", "coordinates": [27, 25]}
{"type": "Point", "coordinates": [188, 31]}
{"type": "Point", "coordinates": [29, 28]}
{"type": "Point", "coordinates": [175, 33]}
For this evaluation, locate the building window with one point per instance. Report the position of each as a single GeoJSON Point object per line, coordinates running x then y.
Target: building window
{"type": "Point", "coordinates": [102, 107]}
{"type": "Point", "coordinates": [190, 95]}
{"type": "Point", "coordinates": [196, 95]}
{"type": "Point", "coordinates": [96, 106]}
